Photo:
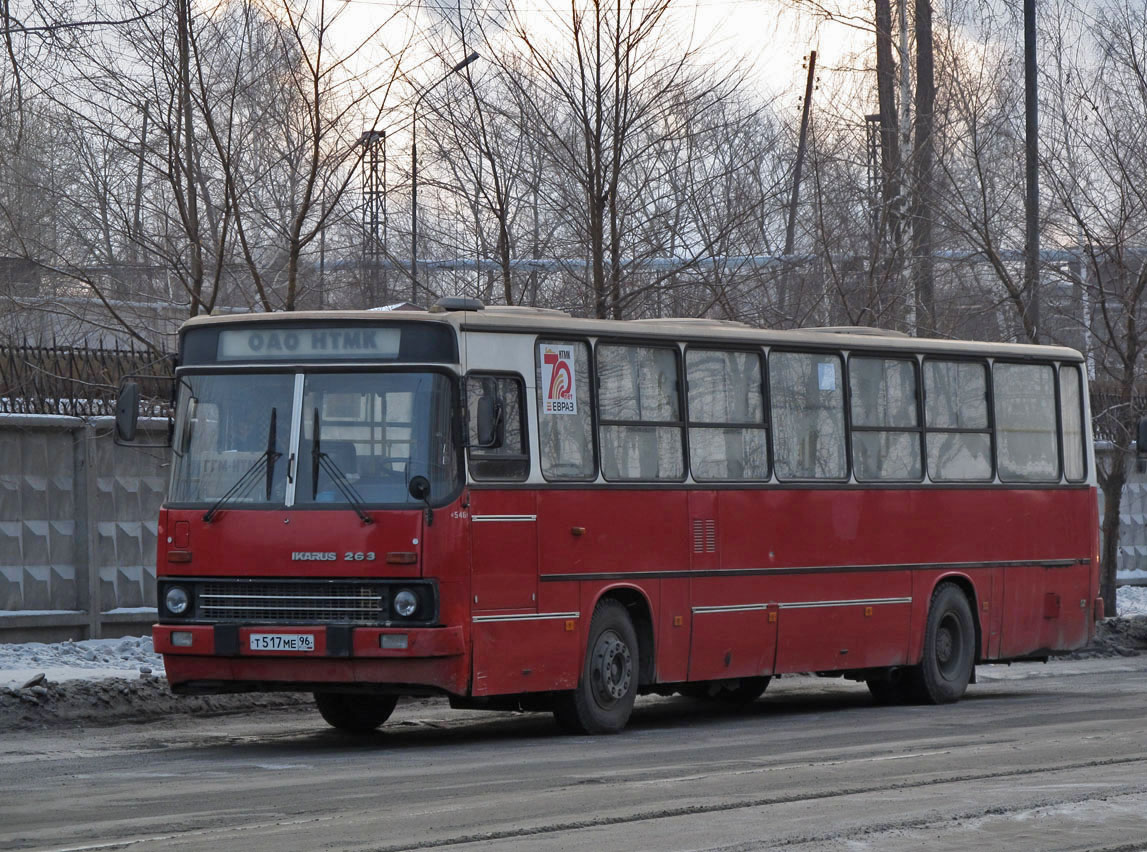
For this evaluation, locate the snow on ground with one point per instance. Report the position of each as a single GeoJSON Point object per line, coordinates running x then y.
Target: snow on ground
{"type": "Point", "coordinates": [91, 659]}
{"type": "Point", "coordinates": [1131, 600]}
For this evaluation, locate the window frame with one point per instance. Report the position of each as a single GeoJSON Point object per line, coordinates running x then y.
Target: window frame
{"type": "Point", "coordinates": [523, 417]}
{"type": "Point", "coordinates": [842, 356]}
{"type": "Point", "coordinates": [673, 346]}
{"type": "Point", "coordinates": [917, 374]}
{"type": "Point", "coordinates": [989, 429]}
{"type": "Point", "coordinates": [458, 424]}
{"type": "Point", "coordinates": [766, 414]}
{"type": "Point", "coordinates": [1076, 368]}
{"type": "Point", "coordinates": [592, 379]}
{"type": "Point", "coordinates": [1058, 431]}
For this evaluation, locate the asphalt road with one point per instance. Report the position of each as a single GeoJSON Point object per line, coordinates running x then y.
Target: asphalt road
{"type": "Point", "coordinates": [1035, 758]}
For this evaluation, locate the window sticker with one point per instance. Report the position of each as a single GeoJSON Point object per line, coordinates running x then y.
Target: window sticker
{"type": "Point", "coordinates": [826, 373]}
{"type": "Point", "coordinates": [559, 381]}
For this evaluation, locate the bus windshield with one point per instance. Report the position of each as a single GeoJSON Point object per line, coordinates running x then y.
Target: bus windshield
{"type": "Point", "coordinates": [378, 430]}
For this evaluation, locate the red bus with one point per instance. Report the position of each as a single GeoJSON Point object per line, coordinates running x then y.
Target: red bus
{"type": "Point", "coordinates": [519, 509]}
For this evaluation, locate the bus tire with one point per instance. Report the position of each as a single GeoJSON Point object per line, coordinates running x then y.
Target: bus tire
{"type": "Point", "coordinates": [355, 714]}
{"type": "Point", "coordinates": [604, 697]}
{"type": "Point", "coordinates": [949, 647]}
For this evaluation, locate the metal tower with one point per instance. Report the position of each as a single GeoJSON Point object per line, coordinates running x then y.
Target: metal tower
{"type": "Point", "coordinates": [374, 215]}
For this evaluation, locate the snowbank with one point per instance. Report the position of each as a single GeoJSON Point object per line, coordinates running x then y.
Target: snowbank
{"type": "Point", "coordinates": [92, 659]}
{"type": "Point", "coordinates": [1131, 600]}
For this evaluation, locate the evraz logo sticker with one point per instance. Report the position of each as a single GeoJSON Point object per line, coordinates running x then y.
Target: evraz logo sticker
{"type": "Point", "coordinates": [559, 381]}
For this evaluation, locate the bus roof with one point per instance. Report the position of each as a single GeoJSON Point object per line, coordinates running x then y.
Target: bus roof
{"type": "Point", "coordinates": [516, 319]}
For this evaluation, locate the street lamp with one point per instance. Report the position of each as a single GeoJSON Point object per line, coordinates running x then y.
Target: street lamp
{"type": "Point", "coordinates": [414, 174]}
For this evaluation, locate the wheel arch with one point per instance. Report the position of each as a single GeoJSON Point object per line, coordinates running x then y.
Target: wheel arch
{"type": "Point", "coordinates": [636, 603]}
{"type": "Point", "coordinates": [965, 584]}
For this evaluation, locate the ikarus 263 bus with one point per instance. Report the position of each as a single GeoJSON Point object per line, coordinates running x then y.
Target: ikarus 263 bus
{"type": "Point", "coordinates": [514, 508]}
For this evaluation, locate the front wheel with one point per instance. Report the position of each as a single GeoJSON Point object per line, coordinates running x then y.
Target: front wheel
{"type": "Point", "coordinates": [949, 647]}
{"type": "Point", "coordinates": [604, 697]}
{"type": "Point", "coordinates": [355, 714]}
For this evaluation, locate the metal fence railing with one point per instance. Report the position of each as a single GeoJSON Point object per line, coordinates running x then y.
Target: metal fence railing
{"type": "Point", "coordinates": [81, 381]}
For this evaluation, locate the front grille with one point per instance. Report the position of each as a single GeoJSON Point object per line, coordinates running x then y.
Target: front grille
{"type": "Point", "coordinates": [292, 602]}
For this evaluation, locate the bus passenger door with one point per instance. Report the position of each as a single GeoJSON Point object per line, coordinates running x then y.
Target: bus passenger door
{"type": "Point", "coordinates": [503, 521]}
{"type": "Point", "coordinates": [734, 631]}
{"type": "Point", "coordinates": [503, 550]}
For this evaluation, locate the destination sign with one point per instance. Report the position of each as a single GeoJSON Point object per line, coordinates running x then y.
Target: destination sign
{"type": "Point", "coordinates": [292, 344]}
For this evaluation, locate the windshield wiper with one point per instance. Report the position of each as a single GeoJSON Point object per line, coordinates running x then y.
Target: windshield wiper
{"type": "Point", "coordinates": [267, 459]}
{"type": "Point", "coordinates": [319, 459]}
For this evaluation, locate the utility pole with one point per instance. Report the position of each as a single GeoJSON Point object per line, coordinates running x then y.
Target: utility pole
{"type": "Point", "coordinates": [790, 232]}
{"type": "Point", "coordinates": [136, 223]}
{"type": "Point", "coordinates": [191, 188]}
{"type": "Point", "coordinates": [414, 172]}
{"type": "Point", "coordinates": [1031, 163]}
{"type": "Point", "coordinates": [889, 131]}
{"type": "Point", "coordinates": [802, 142]}
{"type": "Point", "coordinates": [923, 167]}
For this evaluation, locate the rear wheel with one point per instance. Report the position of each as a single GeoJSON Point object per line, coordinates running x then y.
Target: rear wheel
{"type": "Point", "coordinates": [604, 698]}
{"type": "Point", "coordinates": [355, 714]}
{"type": "Point", "coordinates": [949, 648]}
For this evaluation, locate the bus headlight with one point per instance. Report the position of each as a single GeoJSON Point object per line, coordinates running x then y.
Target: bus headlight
{"type": "Point", "coordinates": [406, 603]}
{"type": "Point", "coordinates": [177, 600]}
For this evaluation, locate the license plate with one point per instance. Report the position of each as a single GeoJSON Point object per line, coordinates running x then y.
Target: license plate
{"type": "Point", "coordinates": [282, 642]}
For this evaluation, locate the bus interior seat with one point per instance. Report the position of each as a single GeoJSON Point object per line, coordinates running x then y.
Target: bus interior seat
{"type": "Point", "coordinates": [345, 458]}
{"type": "Point", "coordinates": [344, 455]}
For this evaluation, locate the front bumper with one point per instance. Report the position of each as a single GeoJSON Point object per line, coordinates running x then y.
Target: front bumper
{"type": "Point", "coordinates": [219, 659]}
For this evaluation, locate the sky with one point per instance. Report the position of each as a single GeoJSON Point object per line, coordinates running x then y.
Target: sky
{"type": "Point", "coordinates": [771, 38]}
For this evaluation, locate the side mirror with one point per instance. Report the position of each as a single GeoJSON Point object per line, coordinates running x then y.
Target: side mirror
{"type": "Point", "coordinates": [490, 424]}
{"type": "Point", "coordinates": [127, 412]}
{"type": "Point", "coordinates": [1141, 440]}
{"type": "Point", "coordinates": [419, 488]}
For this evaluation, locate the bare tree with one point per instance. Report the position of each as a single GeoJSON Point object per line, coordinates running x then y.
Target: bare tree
{"type": "Point", "coordinates": [211, 143]}
{"type": "Point", "coordinates": [1096, 165]}
{"type": "Point", "coordinates": [604, 86]}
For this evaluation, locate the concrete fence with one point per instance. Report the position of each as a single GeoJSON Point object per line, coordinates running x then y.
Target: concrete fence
{"type": "Point", "coordinates": [1132, 556]}
{"type": "Point", "coordinates": [78, 519]}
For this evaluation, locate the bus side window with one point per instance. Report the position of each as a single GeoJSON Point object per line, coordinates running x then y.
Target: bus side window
{"type": "Point", "coordinates": [639, 410]}
{"type": "Point", "coordinates": [958, 437]}
{"type": "Point", "coordinates": [565, 411]}
{"type": "Point", "coordinates": [507, 459]}
{"type": "Point", "coordinates": [1027, 440]}
{"type": "Point", "coordinates": [808, 415]}
{"type": "Point", "coordinates": [728, 438]}
{"type": "Point", "coordinates": [1071, 408]}
{"type": "Point", "coordinates": [885, 422]}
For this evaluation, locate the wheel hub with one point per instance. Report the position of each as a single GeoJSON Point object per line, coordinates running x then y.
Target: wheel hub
{"type": "Point", "coordinates": [613, 668]}
{"type": "Point", "coordinates": [944, 645]}
{"type": "Point", "coordinates": [948, 647]}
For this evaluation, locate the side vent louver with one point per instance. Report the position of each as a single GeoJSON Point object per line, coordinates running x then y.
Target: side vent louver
{"type": "Point", "coordinates": [704, 535]}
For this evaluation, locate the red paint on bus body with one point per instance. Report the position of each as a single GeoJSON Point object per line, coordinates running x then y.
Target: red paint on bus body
{"type": "Point", "coordinates": [733, 583]}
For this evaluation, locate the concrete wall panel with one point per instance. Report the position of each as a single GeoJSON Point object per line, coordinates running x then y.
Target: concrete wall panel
{"type": "Point", "coordinates": [53, 539]}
